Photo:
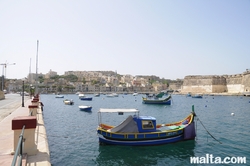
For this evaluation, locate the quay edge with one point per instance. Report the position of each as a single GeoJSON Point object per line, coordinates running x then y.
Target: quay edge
{"type": "Point", "coordinates": [42, 156]}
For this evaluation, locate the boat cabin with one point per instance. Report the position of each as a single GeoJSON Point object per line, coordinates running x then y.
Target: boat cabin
{"type": "Point", "coordinates": [145, 123]}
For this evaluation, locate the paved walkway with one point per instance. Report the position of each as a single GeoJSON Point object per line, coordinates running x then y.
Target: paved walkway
{"type": "Point", "coordinates": [42, 158]}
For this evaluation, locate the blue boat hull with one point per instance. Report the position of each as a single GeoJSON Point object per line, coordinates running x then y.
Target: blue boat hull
{"type": "Point", "coordinates": [89, 98]}
{"type": "Point", "coordinates": [198, 97]}
{"type": "Point", "coordinates": [86, 109]}
{"type": "Point", "coordinates": [103, 140]}
{"type": "Point", "coordinates": [158, 102]}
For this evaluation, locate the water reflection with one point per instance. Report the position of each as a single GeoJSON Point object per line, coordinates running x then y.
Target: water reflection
{"type": "Point", "coordinates": [146, 155]}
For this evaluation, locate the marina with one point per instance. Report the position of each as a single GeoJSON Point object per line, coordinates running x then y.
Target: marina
{"type": "Point", "coordinates": [111, 86]}
{"type": "Point", "coordinates": [73, 140]}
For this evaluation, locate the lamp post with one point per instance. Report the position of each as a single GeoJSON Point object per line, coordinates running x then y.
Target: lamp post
{"type": "Point", "coordinates": [23, 95]}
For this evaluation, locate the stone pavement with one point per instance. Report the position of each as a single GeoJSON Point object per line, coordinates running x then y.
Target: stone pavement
{"type": "Point", "coordinates": [42, 158]}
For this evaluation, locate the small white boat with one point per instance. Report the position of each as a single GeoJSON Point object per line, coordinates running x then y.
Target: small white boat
{"type": "Point", "coordinates": [59, 96]}
{"type": "Point", "coordinates": [97, 95]}
{"type": "Point", "coordinates": [68, 102]}
{"type": "Point", "coordinates": [85, 108]}
{"type": "Point", "coordinates": [135, 94]}
{"type": "Point", "coordinates": [81, 95]}
{"type": "Point", "coordinates": [246, 94]}
{"type": "Point", "coordinates": [113, 95]}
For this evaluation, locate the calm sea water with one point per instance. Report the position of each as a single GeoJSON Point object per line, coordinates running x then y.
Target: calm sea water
{"type": "Point", "coordinates": [73, 140]}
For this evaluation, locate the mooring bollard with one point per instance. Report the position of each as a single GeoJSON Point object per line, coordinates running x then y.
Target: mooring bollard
{"type": "Point", "coordinates": [33, 110]}
{"type": "Point", "coordinates": [35, 102]}
{"type": "Point", "coordinates": [30, 147]}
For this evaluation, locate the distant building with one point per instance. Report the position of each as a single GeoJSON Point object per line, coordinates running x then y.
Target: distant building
{"type": "Point", "coordinates": [32, 77]}
{"type": "Point", "coordinates": [50, 74]}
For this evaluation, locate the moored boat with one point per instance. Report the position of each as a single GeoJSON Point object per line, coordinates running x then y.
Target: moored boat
{"type": "Point", "coordinates": [159, 95]}
{"type": "Point", "coordinates": [166, 101]}
{"type": "Point", "coordinates": [197, 96]}
{"type": "Point", "coordinates": [112, 95]}
{"type": "Point", "coordinates": [135, 94]}
{"type": "Point", "coordinates": [246, 94]}
{"type": "Point", "coordinates": [85, 108]}
{"type": "Point", "coordinates": [80, 95]}
{"type": "Point", "coordinates": [143, 130]}
{"type": "Point", "coordinates": [86, 98]}
{"type": "Point", "coordinates": [68, 102]}
{"type": "Point", "coordinates": [97, 95]}
{"type": "Point", "coordinates": [59, 96]}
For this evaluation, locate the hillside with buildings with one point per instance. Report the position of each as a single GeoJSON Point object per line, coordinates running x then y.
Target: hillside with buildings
{"type": "Point", "coordinates": [89, 81]}
{"type": "Point", "coordinates": [110, 81]}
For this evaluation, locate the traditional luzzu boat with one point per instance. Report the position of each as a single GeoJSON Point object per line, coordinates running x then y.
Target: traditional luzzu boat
{"type": "Point", "coordinates": [142, 130]}
{"type": "Point", "coordinates": [166, 101]}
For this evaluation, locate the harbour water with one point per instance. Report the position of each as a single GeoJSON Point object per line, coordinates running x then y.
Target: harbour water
{"type": "Point", "coordinates": [73, 140]}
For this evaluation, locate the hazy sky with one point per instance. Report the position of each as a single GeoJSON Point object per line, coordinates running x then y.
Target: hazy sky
{"type": "Point", "coordinates": [167, 38]}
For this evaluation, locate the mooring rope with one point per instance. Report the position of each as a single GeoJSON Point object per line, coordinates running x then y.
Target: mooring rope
{"type": "Point", "coordinates": [208, 131]}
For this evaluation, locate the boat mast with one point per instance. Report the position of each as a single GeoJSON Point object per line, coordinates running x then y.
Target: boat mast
{"type": "Point", "coordinates": [36, 65]}
{"type": "Point", "coordinates": [30, 72]}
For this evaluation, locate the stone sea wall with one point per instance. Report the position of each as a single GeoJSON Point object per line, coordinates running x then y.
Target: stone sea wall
{"type": "Point", "coordinates": [239, 83]}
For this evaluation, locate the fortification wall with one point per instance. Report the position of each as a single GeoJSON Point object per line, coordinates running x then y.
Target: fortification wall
{"type": "Point", "coordinates": [246, 81]}
{"type": "Point", "coordinates": [219, 88]}
{"type": "Point", "coordinates": [234, 79]}
{"type": "Point", "coordinates": [204, 84]}
{"type": "Point", "coordinates": [175, 85]}
{"type": "Point", "coordinates": [235, 83]}
{"type": "Point", "coordinates": [197, 89]}
{"type": "Point", "coordinates": [197, 80]}
{"type": "Point", "coordinates": [236, 88]}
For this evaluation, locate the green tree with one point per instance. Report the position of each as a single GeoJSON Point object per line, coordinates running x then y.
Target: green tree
{"type": "Point", "coordinates": [83, 80]}
{"type": "Point", "coordinates": [93, 82]}
{"type": "Point", "coordinates": [56, 77]}
{"type": "Point", "coordinates": [71, 78]}
{"type": "Point", "coordinates": [41, 79]}
{"type": "Point", "coordinates": [59, 88]}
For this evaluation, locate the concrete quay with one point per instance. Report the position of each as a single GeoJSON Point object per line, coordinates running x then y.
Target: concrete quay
{"type": "Point", "coordinates": [42, 155]}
